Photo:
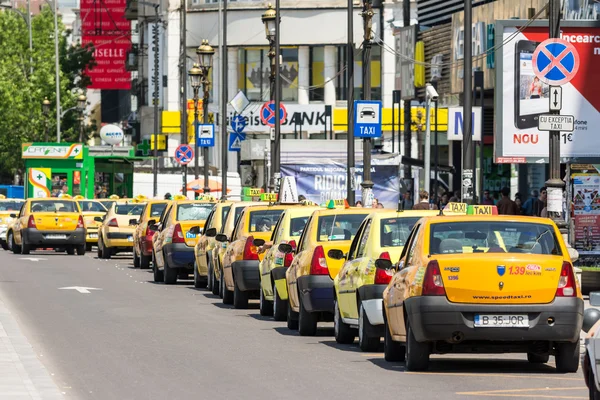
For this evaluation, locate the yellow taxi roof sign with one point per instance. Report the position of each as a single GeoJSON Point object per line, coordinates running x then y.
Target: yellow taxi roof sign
{"type": "Point", "coordinates": [482, 210]}
{"type": "Point", "coordinates": [340, 203]}
{"type": "Point", "coordinates": [180, 197]}
{"type": "Point", "coordinates": [2, 196]}
{"type": "Point", "coordinates": [454, 209]}
{"type": "Point", "coordinates": [113, 197]}
{"type": "Point", "coordinates": [78, 197]}
{"type": "Point", "coordinates": [205, 197]}
{"type": "Point", "coordinates": [270, 197]}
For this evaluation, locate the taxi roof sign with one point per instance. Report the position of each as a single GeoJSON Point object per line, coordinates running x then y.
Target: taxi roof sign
{"type": "Point", "coordinates": [454, 209]}
{"type": "Point", "coordinates": [482, 210]}
{"type": "Point", "coordinates": [340, 203]}
{"type": "Point", "coordinates": [270, 197]}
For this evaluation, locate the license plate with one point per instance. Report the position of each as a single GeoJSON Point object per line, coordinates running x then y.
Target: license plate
{"type": "Point", "coordinates": [93, 236]}
{"type": "Point", "coordinates": [130, 238]}
{"type": "Point", "coordinates": [501, 321]}
{"type": "Point", "coordinates": [56, 236]}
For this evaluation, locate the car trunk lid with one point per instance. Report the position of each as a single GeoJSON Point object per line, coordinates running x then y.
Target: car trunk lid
{"type": "Point", "coordinates": [56, 221]}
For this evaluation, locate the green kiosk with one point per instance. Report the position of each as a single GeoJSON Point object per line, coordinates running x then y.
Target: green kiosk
{"type": "Point", "coordinates": [73, 168]}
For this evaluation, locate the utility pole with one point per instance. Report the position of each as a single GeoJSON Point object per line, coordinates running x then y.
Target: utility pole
{"type": "Point", "coordinates": [155, 95]}
{"type": "Point", "coordinates": [367, 183]}
{"type": "Point", "coordinates": [224, 140]}
{"type": "Point", "coordinates": [467, 148]}
{"type": "Point", "coordinates": [277, 142]}
{"type": "Point", "coordinates": [183, 80]}
{"type": "Point", "coordinates": [350, 107]}
{"type": "Point", "coordinates": [57, 71]}
{"type": "Point", "coordinates": [407, 115]}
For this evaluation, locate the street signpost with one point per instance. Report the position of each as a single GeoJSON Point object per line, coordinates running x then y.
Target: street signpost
{"type": "Point", "coordinates": [555, 98]}
{"type": "Point", "coordinates": [267, 113]}
{"type": "Point", "coordinates": [235, 141]}
{"type": "Point", "coordinates": [367, 119]}
{"type": "Point", "coordinates": [560, 123]}
{"type": "Point", "coordinates": [238, 124]}
{"type": "Point", "coordinates": [184, 154]}
{"type": "Point", "coordinates": [555, 61]}
{"type": "Point", "coordinates": [205, 135]}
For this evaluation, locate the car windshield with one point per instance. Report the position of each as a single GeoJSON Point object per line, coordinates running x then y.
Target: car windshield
{"type": "Point", "coordinates": [157, 209]}
{"type": "Point", "coordinates": [338, 227]}
{"type": "Point", "coordinates": [263, 220]}
{"type": "Point", "coordinates": [129, 209]}
{"type": "Point", "coordinates": [108, 203]}
{"type": "Point", "coordinates": [10, 205]}
{"type": "Point", "coordinates": [395, 231]}
{"type": "Point", "coordinates": [193, 211]}
{"type": "Point", "coordinates": [91, 206]}
{"type": "Point", "coordinates": [493, 237]}
{"type": "Point", "coordinates": [53, 206]}
{"type": "Point", "coordinates": [297, 225]}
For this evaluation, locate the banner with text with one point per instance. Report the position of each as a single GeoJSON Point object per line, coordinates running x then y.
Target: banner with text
{"type": "Point", "coordinates": [586, 209]}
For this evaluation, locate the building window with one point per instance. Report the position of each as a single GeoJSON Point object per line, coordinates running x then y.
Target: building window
{"type": "Point", "coordinates": [255, 71]}
{"type": "Point", "coordinates": [289, 74]}
{"type": "Point", "coordinates": [341, 81]}
{"type": "Point", "coordinates": [317, 74]}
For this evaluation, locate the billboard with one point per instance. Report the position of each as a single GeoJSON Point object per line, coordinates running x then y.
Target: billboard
{"type": "Point", "coordinates": [586, 212]}
{"type": "Point", "coordinates": [104, 26]}
{"type": "Point", "coordinates": [521, 97]}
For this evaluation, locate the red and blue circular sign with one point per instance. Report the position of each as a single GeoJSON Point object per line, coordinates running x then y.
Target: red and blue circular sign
{"type": "Point", "coordinates": [267, 113]}
{"type": "Point", "coordinates": [184, 154]}
{"type": "Point", "coordinates": [555, 61]}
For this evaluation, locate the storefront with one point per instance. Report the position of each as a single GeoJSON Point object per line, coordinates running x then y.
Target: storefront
{"type": "Point", "coordinates": [57, 168]}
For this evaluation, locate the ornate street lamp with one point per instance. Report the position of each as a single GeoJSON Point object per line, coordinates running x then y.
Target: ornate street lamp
{"type": "Point", "coordinates": [195, 75]}
{"type": "Point", "coordinates": [205, 60]}
{"type": "Point", "coordinates": [81, 103]}
{"type": "Point", "coordinates": [46, 112]}
{"type": "Point", "coordinates": [269, 18]}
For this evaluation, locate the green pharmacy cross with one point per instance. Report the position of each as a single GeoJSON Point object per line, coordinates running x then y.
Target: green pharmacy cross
{"type": "Point", "coordinates": [144, 147]}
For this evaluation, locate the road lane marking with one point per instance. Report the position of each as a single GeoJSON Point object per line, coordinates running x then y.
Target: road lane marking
{"type": "Point", "coordinates": [521, 393]}
{"type": "Point", "coordinates": [80, 289]}
{"type": "Point", "coordinates": [34, 259]}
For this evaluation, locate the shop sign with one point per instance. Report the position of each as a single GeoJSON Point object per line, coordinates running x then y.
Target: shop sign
{"type": "Point", "coordinates": [72, 151]}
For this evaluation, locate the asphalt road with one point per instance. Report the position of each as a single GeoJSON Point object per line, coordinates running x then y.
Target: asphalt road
{"type": "Point", "coordinates": [134, 339]}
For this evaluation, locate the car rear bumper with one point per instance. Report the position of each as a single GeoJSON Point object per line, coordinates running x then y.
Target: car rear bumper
{"type": "Point", "coordinates": [434, 318]}
{"type": "Point", "coordinates": [371, 297]}
{"type": "Point", "coordinates": [119, 239]}
{"type": "Point", "coordinates": [37, 237]}
{"type": "Point", "coordinates": [316, 292]}
{"type": "Point", "coordinates": [246, 275]}
{"type": "Point", "coordinates": [179, 255]}
{"type": "Point", "coordinates": [91, 235]}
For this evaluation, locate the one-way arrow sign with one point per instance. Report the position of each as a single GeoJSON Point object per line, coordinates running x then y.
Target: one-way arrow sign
{"type": "Point", "coordinates": [555, 98]}
{"type": "Point", "coordinates": [80, 289]}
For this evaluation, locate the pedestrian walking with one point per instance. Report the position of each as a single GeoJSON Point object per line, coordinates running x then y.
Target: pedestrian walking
{"type": "Point", "coordinates": [505, 205]}
{"type": "Point", "coordinates": [423, 203]}
{"type": "Point", "coordinates": [528, 206]}
{"type": "Point", "coordinates": [407, 203]}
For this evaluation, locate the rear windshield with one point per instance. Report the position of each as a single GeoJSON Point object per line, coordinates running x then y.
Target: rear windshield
{"type": "Point", "coordinates": [91, 206]}
{"type": "Point", "coordinates": [10, 205]}
{"type": "Point", "coordinates": [297, 225]}
{"type": "Point", "coordinates": [108, 203]}
{"type": "Point", "coordinates": [53, 206]}
{"type": "Point", "coordinates": [157, 209]}
{"type": "Point", "coordinates": [395, 231]}
{"type": "Point", "coordinates": [193, 211]}
{"type": "Point", "coordinates": [129, 209]}
{"type": "Point", "coordinates": [493, 237]}
{"type": "Point", "coordinates": [338, 227]}
{"type": "Point", "coordinates": [263, 220]}
{"type": "Point", "coordinates": [225, 212]}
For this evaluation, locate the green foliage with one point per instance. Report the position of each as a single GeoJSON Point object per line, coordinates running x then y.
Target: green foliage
{"type": "Point", "coordinates": [22, 92]}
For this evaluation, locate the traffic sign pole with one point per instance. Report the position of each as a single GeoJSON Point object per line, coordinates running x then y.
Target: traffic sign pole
{"type": "Point", "coordinates": [367, 183]}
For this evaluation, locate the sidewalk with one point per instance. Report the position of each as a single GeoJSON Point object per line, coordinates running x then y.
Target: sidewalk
{"type": "Point", "coordinates": [22, 375]}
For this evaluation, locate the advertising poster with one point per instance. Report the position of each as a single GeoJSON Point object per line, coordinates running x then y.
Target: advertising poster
{"type": "Point", "coordinates": [524, 97]}
{"type": "Point", "coordinates": [38, 182]}
{"type": "Point", "coordinates": [322, 182]}
{"type": "Point", "coordinates": [586, 210]}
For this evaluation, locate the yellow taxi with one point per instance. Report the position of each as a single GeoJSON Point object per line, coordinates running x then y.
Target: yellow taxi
{"type": "Point", "coordinates": [142, 236]}
{"type": "Point", "coordinates": [203, 251]}
{"type": "Point", "coordinates": [173, 243]}
{"type": "Point", "coordinates": [310, 276]}
{"type": "Point", "coordinates": [90, 209]}
{"type": "Point", "coordinates": [115, 235]}
{"type": "Point", "coordinates": [241, 259]}
{"type": "Point", "coordinates": [359, 285]}
{"type": "Point", "coordinates": [274, 264]}
{"type": "Point", "coordinates": [483, 283]}
{"type": "Point", "coordinates": [7, 207]}
{"type": "Point", "coordinates": [48, 223]}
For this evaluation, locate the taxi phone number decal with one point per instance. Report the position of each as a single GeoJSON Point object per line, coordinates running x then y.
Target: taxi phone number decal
{"type": "Point", "coordinates": [530, 269]}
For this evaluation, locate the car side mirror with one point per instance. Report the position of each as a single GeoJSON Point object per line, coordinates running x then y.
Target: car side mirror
{"type": "Point", "coordinates": [336, 254]}
{"type": "Point", "coordinates": [151, 222]}
{"type": "Point", "coordinates": [196, 230]}
{"type": "Point", "coordinates": [590, 317]}
{"type": "Point", "coordinates": [285, 248]}
{"type": "Point", "coordinates": [221, 238]}
{"type": "Point", "coordinates": [13, 215]}
{"type": "Point", "coordinates": [383, 263]}
{"type": "Point", "coordinates": [133, 222]}
{"type": "Point", "coordinates": [211, 232]}
{"type": "Point", "coordinates": [153, 227]}
{"type": "Point", "coordinates": [258, 242]}
{"type": "Point", "coordinates": [98, 219]}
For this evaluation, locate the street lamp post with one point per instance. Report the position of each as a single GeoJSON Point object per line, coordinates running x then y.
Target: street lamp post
{"type": "Point", "coordinates": [46, 112]}
{"type": "Point", "coordinates": [81, 103]}
{"type": "Point", "coordinates": [367, 14]}
{"type": "Point", "coordinates": [269, 19]}
{"type": "Point", "coordinates": [205, 58]}
{"type": "Point", "coordinates": [195, 75]}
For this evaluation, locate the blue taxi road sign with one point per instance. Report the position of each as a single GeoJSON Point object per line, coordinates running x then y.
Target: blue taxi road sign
{"type": "Point", "coordinates": [367, 119]}
{"type": "Point", "coordinates": [555, 61]}
{"type": "Point", "coordinates": [184, 154]}
{"type": "Point", "coordinates": [238, 123]}
{"type": "Point", "coordinates": [205, 135]}
{"type": "Point", "coordinates": [267, 113]}
{"type": "Point", "coordinates": [235, 141]}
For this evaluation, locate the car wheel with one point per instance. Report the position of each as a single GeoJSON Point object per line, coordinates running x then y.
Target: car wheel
{"type": "Point", "coordinates": [145, 261]}
{"type": "Point", "coordinates": [199, 282]}
{"type": "Point", "coordinates": [4, 246]}
{"type": "Point", "coordinates": [16, 249]}
{"type": "Point", "coordinates": [106, 252]}
{"type": "Point", "coordinates": [307, 322]}
{"type": "Point", "coordinates": [536, 358]}
{"type": "Point", "coordinates": [417, 353]}
{"type": "Point", "coordinates": [169, 274]}
{"type": "Point", "coordinates": [158, 274]}
{"type": "Point", "coordinates": [88, 247]}
{"type": "Point", "coordinates": [209, 281]}
{"type": "Point", "coordinates": [100, 251]}
{"type": "Point", "coordinates": [392, 350]}
{"type": "Point", "coordinates": [366, 342]}
{"type": "Point", "coordinates": [292, 318]}
{"type": "Point", "coordinates": [216, 285]}
{"type": "Point", "coordinates": [567, 357]}
{"type": "Point", "coordinates": [226, 293]}
{"type": "Point", "coordinates": [591, 381]}
{"type": "Point", "coordinates": [279, 306]}
{"type": "Point", "coordinates": [81, 249]}
{"type": "Point", "coordinates": [70, 250]}
{"type": "Point", "coordinates": [342, 332]}
{"type": "Point", "coordinates": [25, 247]}
{"type": "Point", "coordinates": [136, 259]}
{"type": "Point", "coordinates": [240, 298]}
{"type": "Point", "coordinates": [266, 306]}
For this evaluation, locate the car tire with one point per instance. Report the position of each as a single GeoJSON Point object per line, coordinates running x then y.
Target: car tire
{"type": "Point", "coordinates": [136, 259]}
{"type": "Point", "coordinates": [342, 332]}
{"type": "Point", "coordinates": [145, 261]}
{"type": "Point", "coordinates": [567, 357]}
{"type": "Point", "coordinates": [199, 282]}
{"type": "Point", "coordinates": [307, 322]}
{"type": "Point", "coordinates": [591, 381]}
{"type": "Point", "coordinates": [227, 294]}
{"type": "Point", "coordinates": [417, 353]}
{"type": "Point", "coordinates": [209, 281]}
{"type": "Point", "coordinates": [169, 274]}
{"type": "Point", "coordinates": [292, 318]}
{"type": "Point", "coordinates": [16, 249]}
{"type": "Point", "coordinates": [535, 358]}
{"type": "Point", "coordinates": [25, 247]}
{"type": "Point", "coordinates": [80, 250]}
{"type": "Point", "coordinates": [88, 247]}
{"type": "Point", "coordinates": [240, 298]}
{"type": "Point", "coordinates": [4, 246]}
{"type": "Point", "coordinates": [366, 342]}
{"type": "Point", "coordinates": [158, 274]}
{"type": "Point", "coordinates": [216, 285]}
{"type": "Point", "coordinates": [279, 306]}
{"type": "Point", "coordinates": [266, 306]}
{"type": "Point", "coordinates": [70, 250]}
{"type": "Point", "coordinates": [100, 252]}
{"type": "Point", "coordinates": [392, 351]}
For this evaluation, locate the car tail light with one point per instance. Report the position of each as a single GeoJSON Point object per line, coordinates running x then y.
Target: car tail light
{"type": "Point", "coordinates": [433, 285]}
{"type": "Point", "coordinates": [289, 257]}
{"type": "Point", "coordinates": [31, 222]}
{"type": "Point", "coordinates": [178, 235]}
{"type": "Point", "coordinates": [113, 222]}
{"type": "Point", "coordinates": [250, 250]}
{"type": "Point", "coordinates": [80, 222]}
{"type": "Point", "coordinates": [318, 264]}
{"type": "Point", "coordinates": [566, 282]}
{"type": "Point", "coordinates": [385, 255]}
{"type": "Point", "coordinates": [148, 234]}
